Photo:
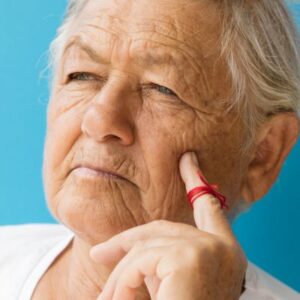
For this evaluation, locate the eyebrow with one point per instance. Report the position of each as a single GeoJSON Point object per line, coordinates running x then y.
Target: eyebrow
{"type": "Point", "coordinates": [147, 58]}
{"type": "Point", "coordinates": [78, 42]}
{"type": "Point", "coordinates": [144, 59]}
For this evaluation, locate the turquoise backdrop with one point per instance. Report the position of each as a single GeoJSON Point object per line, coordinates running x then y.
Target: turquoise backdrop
{"type": "Point", "coordinates": [269, 233]}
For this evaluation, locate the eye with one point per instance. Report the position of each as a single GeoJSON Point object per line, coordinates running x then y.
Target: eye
{"type": "Point", "coordinates": [164, 90]}
{"type": "Point", "coordinates": [81, 76]}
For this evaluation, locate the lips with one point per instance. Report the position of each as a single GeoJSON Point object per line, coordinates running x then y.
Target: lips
{"type": "Point", "coordinates": [100, 170]}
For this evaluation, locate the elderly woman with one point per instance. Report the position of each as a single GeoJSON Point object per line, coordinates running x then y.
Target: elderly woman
{"type": "Point", "coordinates": [147, 99]}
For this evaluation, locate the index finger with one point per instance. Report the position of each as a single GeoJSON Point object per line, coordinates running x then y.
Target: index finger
{"type": "Point", "coordinates": [208, 214]}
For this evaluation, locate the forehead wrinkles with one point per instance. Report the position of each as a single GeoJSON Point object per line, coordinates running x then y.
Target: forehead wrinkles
{"type": "Point", "coordinates": [163, 25]}
{"type": "Point", "coordinates": [190, 39]}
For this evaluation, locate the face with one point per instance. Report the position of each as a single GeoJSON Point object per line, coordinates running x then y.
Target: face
{"type": "Point", "coordinates": [137, 86]}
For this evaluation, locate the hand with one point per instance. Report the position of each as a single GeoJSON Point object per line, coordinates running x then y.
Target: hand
{"type": "Point", "coordinates": [176, 261]}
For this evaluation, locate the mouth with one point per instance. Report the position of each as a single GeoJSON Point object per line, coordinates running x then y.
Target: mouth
{"type": "Point", "coordinates": [90, 171]}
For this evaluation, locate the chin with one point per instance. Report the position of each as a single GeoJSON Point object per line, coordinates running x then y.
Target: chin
{"type": "Point", "coordinates": [95, 211]}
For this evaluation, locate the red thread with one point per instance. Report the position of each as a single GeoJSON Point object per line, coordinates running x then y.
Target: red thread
{"type": "Point", "coordinates": [206, 189]}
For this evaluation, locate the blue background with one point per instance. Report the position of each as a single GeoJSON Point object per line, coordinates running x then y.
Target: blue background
{"type": "Point", "coordinates": [269, 233]}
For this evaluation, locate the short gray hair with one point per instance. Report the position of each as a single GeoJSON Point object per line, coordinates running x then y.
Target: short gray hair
{"type": "Point", "coordinates": [260, 43]}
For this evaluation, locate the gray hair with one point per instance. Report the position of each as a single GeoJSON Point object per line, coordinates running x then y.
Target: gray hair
{"type": "Point", "coordinates": [260, 44]}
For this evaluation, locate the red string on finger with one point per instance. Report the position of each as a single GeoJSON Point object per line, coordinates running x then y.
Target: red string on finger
{"type": "Point", "coordinates": [199, 191]}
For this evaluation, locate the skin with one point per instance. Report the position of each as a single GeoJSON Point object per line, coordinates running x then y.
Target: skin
{"type": "Point", "coordinates": [177, 261]}
{"type": "Point", "coordinates": [120, 117]}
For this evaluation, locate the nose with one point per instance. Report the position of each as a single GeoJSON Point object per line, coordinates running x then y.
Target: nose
{"type": "Point", "coordinates": [108, 118]}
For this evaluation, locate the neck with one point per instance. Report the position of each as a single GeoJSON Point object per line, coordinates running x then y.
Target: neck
{"type": "Point", "coordinates": [76, 276]}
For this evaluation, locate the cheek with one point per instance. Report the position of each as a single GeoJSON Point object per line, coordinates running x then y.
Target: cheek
{"type": "Point", "coordinates": [167, 132]}
{"type": "Point", "coordinates": [218, 151]}
{"type": "Point", "coordinates": [173, 132]}
{"type": "Point", "coordinates": [63, 130]}
{"type": "Point", "coordinates": [164, 134]}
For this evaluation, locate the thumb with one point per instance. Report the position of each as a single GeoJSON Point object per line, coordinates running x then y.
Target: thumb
{"type": "Point", "coordinates": [208, 214]}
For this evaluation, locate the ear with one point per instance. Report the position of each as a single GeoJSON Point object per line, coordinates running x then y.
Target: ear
{"type": "Point", "coordinates": [274, 141]}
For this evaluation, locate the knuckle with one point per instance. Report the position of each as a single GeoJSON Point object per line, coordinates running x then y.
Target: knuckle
{"type": "Point", "coordinates": [215, 245]}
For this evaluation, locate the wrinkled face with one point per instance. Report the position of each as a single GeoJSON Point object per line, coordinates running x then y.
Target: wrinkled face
{"type": "Point", "coordinates": [137, 86]}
